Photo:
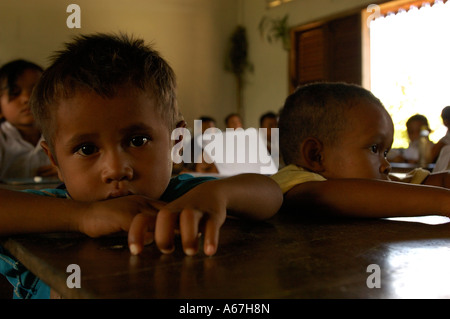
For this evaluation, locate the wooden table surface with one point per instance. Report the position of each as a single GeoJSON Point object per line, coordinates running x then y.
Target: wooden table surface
{"type": "Point", "coordinates": [284, 258]}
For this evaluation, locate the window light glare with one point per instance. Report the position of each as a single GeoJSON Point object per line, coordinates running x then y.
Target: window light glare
{"type": "Point", "coordinates": [403, 75]}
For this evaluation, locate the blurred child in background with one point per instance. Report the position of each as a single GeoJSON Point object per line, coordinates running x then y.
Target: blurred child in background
{"type": "Point", "coordinates": [21, 155]}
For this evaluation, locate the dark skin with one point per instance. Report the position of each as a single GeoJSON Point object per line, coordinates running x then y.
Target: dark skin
{"type": "Point", "coordinates": [124, 155]}
{"type": "Point", "coordinates": [357, 174]}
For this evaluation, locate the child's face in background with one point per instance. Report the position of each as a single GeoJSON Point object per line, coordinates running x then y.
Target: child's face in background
{"type": "Point", "coordinates": [14, 104]}
{"type": "Point", "coordinates": [107, 148]}
{"type": "Point", "coordinates": [361, 149]}
{"type": "Point", "coordinates": [269, 123]}
{"type": "Point", "coordinates": [413, 128]}
{"type": "Point", "coordinates": [234, 122]}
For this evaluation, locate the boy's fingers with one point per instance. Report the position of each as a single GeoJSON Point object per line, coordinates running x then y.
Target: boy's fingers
{"type": "Point", "coordinates": [189, 225]}
{"type": "Point", "coordinates": [166, 221]}
{"type": "Point", "coordinates": [211, 237]}
{"type": "Point", "coordinates": [141, 232]}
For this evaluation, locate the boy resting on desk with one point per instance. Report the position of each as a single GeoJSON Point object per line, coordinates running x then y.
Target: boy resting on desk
{"type": "Point", "coordinates": [334, 138]}
{"type": "Point", "coordinates": [107, 107]}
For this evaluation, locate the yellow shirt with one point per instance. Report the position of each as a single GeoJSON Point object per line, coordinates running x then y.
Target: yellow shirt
{"type": "Point", "coordinates": [292, 175]}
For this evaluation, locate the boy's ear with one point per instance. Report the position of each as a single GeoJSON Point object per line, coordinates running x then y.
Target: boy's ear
{"type": "Point", "coordinates": [53, 161]}
{"type": "Point", "coordinates": [312, 150]}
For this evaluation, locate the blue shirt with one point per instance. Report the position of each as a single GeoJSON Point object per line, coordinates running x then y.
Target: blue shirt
{"type": "Point", "coordinates": [28, 286]}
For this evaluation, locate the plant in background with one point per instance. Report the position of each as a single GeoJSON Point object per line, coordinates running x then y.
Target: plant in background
{"type": "Point", "coordinates": [276, 29]}
{"type": "Point", "coordinates": [238, 63]}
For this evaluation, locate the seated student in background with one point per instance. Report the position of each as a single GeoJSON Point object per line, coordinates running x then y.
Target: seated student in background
{"type": "Point", "coordinates": [181, 168]}
{"type": "Point", "coordinates": [233, 121]}
{"type": "Point", "coordinates": [334, 138]}
{"type": "Point", "coordinates": [199, 165]}
{"type": "Point", "coordinates": [268, 121]}
{"type": "Point", "coordinates": [207, 123]}
{"type": "Point", "coordinates": [414, 126]}
{"type": "Point", "coordinates": [444, 141]}
{"type": "Point", "coordinates": [21, 155]}
{"type": "Point", "coordinates": [443, 160]}
{"type": "Point", "coordinates": [107, 107]}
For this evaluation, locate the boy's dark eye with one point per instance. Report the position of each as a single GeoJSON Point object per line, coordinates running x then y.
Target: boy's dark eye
{"type": "Point", "coordinates": [374, 149]}
{"type": "Point", "coordinates": [86, 150]}
{"type": "Point", "coordinates": [138, 141]}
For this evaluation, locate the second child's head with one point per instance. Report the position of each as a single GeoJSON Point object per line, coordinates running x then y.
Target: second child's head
{"type": "Point", "coordinates": [336, 130]}
{"type": "Point", "coordinates": [445, 115]}
{"type": "Point", "coordinates": [414, 126]}
{"type": "Point", "coordinates": [107, 107]}
{"type": "Point", "coordinates": [17, 80]}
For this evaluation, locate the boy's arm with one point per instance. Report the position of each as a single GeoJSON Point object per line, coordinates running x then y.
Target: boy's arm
{"type": "Point", "coordinates": [441, 179]}
{"type": "Point", "coordinates": [26, 213]}
{"type": "Point", "coordinates": [204, 209]}
{"type": "Point", "coordinates": [368, 198]}
{"type": "Point", "coordinates": [251, 196]}
{"type": "Point", "coordinates": [21, 212]}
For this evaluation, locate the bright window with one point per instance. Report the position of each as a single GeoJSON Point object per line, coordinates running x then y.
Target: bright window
{"type": "Point", "coordinates": [410, 65]}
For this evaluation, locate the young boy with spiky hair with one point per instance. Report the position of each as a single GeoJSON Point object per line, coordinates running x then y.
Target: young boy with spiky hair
{"type": "Point", "coordinates": [106, 108]}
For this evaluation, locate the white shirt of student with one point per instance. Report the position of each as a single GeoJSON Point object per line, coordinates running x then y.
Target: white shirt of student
{"type": "Point", "coordinates": [446, 138]}
{"type": "Point", "coordinates": [19, 158]}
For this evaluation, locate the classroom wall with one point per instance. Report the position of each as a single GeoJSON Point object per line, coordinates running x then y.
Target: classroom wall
{"type": "Point", "coordinates": [191, 34]}
{"type": "Point", "coordinates": [267, 87]}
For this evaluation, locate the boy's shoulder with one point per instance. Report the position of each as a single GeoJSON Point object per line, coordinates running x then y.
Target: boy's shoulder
{"type": "Point", "coordinates": [181, 184]}
{"type": "Point", "coordinates": [292, 175]}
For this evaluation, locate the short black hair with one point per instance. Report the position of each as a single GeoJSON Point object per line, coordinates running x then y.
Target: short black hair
{"type": "Point", "coordinates": [103, 63]}
{"type": "Point", "coordinates": [446, 113]}
{"type": "Point", "coordinates": [418, 118]}
{"type": "Point", "coordinates": [269, 115]}
{"type": "Point", "coordinates": [317, 110]}
{"type": "Point", "coordinates": [11, 71]}
{"type": "Point", "coordinates": [229, 116]}
{"type": "Point", "coordinates": [207, 119]}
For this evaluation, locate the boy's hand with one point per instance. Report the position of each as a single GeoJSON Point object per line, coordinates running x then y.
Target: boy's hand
{"type": "Point", "coordinates": [200, 211]}
{"type": "Point", "coordinates": [117, 215]}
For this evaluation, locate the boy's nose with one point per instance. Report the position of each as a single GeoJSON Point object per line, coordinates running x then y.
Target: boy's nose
{"type": "Point", "coordinates": [117, 168]}
{"type": "Point", "coordinates": [25, 97]}
{"type": "Point", "coordinates": [385, 168]}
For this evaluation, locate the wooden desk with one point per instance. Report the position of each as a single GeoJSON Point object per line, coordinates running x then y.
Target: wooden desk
{"type": "Point", "coordinates": [282, 258]}
{"type": "Point", "coordinates": [22, 184]}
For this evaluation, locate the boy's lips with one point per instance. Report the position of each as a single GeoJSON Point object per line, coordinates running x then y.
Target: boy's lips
{"type": "Point", "coordinates": [119, 193]}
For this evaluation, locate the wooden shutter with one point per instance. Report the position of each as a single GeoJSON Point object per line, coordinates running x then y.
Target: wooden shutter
{"type": "Point", "coordinates": [327, 51]}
